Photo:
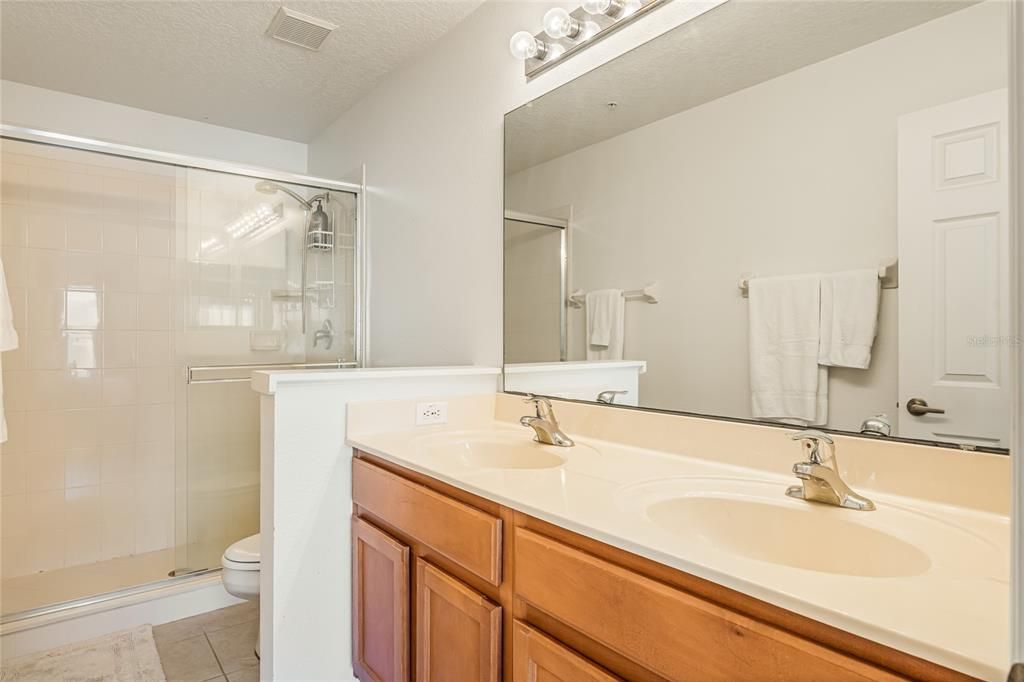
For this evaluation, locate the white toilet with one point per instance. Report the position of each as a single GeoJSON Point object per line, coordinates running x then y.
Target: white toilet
{"type": "Point", "coordinates": [241, 574]}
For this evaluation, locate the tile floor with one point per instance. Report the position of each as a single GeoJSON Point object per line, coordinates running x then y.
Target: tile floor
{"type": "Point", "coordinates": [215, 646]}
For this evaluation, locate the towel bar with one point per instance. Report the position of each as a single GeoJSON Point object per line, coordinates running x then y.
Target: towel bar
{"type": "Point", "coordinates": [888, 272]}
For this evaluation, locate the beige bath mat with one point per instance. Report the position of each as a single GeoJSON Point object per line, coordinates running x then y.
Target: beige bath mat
{"type": "Point", "coordinates": [126, 656]}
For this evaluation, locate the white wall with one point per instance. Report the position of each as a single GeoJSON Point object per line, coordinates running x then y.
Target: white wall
{"type": "Point", "coordinates": [32, 107]}
{"type": "Point", "coordinates": [796, 174]}
{"type": "Point", "coordinates": [306, 506]}
{"type": "Point", "coordinates": [431, 136]}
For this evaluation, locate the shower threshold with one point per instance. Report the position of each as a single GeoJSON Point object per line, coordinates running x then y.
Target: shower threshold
{"type": "Point", "coordinates": [49, 592]}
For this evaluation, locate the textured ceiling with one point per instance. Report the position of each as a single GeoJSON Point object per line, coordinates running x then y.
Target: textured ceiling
{"type": "Point", "coordinates": [210, 60]}
{"type": "Point", "coordinates": [734, 46]}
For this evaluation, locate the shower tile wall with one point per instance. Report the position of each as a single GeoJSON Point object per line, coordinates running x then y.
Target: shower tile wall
{"type": "Point", "coordinates": [88, 470]}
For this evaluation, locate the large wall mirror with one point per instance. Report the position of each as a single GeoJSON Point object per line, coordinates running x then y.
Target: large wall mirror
{"type": "Point", "coordinates": [794, 213]}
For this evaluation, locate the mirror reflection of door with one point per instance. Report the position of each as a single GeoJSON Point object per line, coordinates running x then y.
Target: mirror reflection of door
{"type": "Point", "coordinates": [954, 374]}
{"type": "Point", "coordinates": [535, 303]}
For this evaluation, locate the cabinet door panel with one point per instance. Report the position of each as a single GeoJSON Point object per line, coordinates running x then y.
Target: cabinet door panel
{"type": "Point", "coordinates": [538, 658]}
{"type": "Point", "coordinates": [380, 605]}
{"type": "Point", "coordinates": [458, 630]}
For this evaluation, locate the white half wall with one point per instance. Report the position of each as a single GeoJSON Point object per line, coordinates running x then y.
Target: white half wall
{"type": "Point", "coordinates": [431, 138]}
{"type": "Point", "coordinates": [60, 112]}
{"type": "Point", "coordinates": [306, 506]}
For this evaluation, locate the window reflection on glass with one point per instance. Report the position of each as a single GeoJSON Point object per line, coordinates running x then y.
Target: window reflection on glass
{"type": "Point", "coordinates": [83, 310]}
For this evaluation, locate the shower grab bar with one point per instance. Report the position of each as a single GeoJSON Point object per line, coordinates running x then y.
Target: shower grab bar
{"type": "Point", "coordinates": [222, 374]}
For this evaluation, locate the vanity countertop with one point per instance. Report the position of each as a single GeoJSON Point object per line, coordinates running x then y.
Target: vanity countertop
{"type": "Point", "coordinates": [948, 603]}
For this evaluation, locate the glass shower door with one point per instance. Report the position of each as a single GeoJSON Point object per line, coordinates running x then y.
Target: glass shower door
{"type": "Point", "coordinates": [261, 290]}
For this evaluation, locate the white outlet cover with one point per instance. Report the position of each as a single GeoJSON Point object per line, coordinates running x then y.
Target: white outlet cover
{"type": "Point", "coordinates": [431, 413]}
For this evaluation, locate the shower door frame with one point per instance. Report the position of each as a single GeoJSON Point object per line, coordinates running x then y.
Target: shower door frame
{"type": "Point", "coordinates": [360, 289]}
{"type": "Point", "coordinates": [563, 262]}
{"type": "Point", "coordinates": [361, 322]}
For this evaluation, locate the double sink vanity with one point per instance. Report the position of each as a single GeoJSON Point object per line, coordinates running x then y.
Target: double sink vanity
{"type": "Point", "coordinates": [663, 547]}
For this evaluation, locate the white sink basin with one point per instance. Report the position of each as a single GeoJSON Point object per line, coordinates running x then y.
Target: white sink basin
{"type": "Point", "coordinates": [489, 450]}
{"type": "Point", "coordinates": [726, 519]}
{"type": "Point", "coordinates": [810, 537]}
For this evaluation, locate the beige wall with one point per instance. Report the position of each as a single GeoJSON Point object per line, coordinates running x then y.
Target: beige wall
{"type": "Point", "coordinates": [431, 138]}
{"type": "Point", "coordinates": [796, 174]}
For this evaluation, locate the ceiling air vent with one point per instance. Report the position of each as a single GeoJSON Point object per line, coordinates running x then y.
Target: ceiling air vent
{"type": "Point", "coordinates": [299, 29]}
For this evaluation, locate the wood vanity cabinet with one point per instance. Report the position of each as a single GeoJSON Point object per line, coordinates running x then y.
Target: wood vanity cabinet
{"type": "Point", "coordinates": [451, 587]}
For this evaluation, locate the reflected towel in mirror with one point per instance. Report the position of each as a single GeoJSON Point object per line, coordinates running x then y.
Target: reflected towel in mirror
{"type": "Point", "coordinates": [606, 310]}
{"type": "Point", "coordinates": [786, 382]}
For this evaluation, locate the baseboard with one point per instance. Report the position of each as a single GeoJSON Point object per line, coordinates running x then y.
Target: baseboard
{"type": "Point", "coordinates": [167, 602]}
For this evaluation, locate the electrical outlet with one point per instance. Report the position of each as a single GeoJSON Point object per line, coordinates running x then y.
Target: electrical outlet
{"type": "Point", "coordinates": [431, 413]}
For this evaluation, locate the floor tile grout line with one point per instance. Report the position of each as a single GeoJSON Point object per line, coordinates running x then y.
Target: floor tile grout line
{"type": "Point", "coordinates": [215, 656]}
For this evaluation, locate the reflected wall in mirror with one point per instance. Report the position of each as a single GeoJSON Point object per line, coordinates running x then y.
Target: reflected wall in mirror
{"type": "Point", "coordinates": [818, 192]}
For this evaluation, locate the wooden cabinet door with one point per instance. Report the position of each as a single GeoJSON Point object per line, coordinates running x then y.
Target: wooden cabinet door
{"type": "Point", "coordinates": [538, 658]}
{"type": "Point", "coordinates": [458, 630]}
{"type": "Point", "coordinates": [380, 605]}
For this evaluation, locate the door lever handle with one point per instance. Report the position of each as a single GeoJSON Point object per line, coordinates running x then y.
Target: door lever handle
{"type": "Point", "coordinates": [919, 408]}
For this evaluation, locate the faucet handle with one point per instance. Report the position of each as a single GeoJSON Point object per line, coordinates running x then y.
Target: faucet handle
{"type": "Point", "coordinates": [544, 410]}
{"type": "Point", "coordinates": [813, 440]}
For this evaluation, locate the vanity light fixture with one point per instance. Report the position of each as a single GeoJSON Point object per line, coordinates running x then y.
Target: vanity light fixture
{"type": "Point", "coordinates": [565, 33]}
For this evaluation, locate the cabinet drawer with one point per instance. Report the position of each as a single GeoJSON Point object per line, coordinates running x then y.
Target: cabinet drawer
{"type": "Point", "coordinates": [536, 656]}
{"type": "Point", "coordinates": [665, 630]}
{"type": "Point", "coordinates": [463, 534]}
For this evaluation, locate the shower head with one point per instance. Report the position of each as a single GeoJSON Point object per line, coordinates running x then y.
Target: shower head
{"type": "Point", "coordinates": [268, 187]}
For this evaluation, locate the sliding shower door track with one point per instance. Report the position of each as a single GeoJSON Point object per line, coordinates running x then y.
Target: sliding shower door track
{"type": "Point", "coordinates": [95, 599]}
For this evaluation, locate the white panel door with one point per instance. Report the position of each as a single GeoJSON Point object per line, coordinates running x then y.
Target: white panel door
{"type": "Point", "coordinates": [954, 344]}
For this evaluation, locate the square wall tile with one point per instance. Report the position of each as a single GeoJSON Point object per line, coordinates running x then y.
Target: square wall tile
{"type": "Point", "coordinates": [45, 471]}
{"type": "Point", "coordinates": [85, 270]}
{"type": "Point", "coordinates": [121, 238]}
{"type": "Point", "coordinates": [84, 232]}
{"type": "Point", "coordinates": [47, 268]}
{"type": "Point", "coordinates": [155, 349]}
{"type": "Point", "coordinates": [121, 311]}
{"type": "Point", "coordinates": [45, 308]}
{"type": "Point", "coordinates": [120, 386]}
{"type": "Point", "coordinates": [47, 229]}
{"type": "Point", "coordinates": [120, 348]}
{"type": "Point", "coordinates": [82, 467]}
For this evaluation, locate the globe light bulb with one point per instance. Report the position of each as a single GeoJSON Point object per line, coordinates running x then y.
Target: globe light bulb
{"type": "Point", "coordinates": [524, 46]}
{"type": "Point", "coordinates": [611, 8]}
{"type": "Point", "coordinates": [559, 24]}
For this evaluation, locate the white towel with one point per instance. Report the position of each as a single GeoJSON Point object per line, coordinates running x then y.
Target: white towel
{"type": "Point", "coordinates": [786, 382]}
{"type": "Point", "coordinates": [8, 341]}
{"type": "Point", "coordinates": [606, 310]}
{"type": "Point", "coordinates": [849, 318]}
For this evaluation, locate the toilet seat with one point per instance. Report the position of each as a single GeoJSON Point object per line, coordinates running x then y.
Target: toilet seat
{"type": "Point", "coordinates": [243, 555]}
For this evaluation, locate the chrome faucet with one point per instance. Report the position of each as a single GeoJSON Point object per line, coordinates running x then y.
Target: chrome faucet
{"type": "Point", "coordinates": [325, 334]}
{"type": "Point", "coordinates": [608, 397]}
{"type": "Point", "coordinates": [544, 423]}
{"type": "Point", "coordinates": [820, 475]}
